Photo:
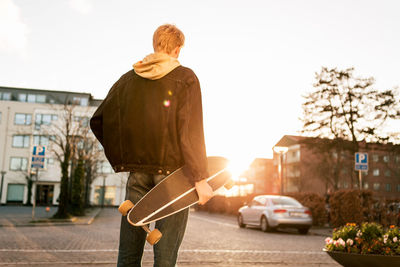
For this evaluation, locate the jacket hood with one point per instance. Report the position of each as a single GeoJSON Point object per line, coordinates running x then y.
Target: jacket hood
{"type": "Point", "coordinates": [155, 66]}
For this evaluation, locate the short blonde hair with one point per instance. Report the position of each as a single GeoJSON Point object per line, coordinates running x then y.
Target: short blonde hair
{"type": "Point", "coordinates": [167, 37]}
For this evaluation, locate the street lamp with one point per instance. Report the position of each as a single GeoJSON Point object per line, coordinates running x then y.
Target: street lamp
{"type": "Point", "coordinates": [280, 150]}
{"type": "Point", "coordinates": [1, 186]}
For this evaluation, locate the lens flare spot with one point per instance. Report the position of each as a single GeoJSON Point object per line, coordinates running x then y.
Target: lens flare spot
{"type": "Point", "coordinates": [167, 103]}
{"type": "Point", "coordinates": [170, 92]}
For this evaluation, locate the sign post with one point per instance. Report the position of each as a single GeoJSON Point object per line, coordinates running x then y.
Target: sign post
{"type": "Point", "coordinates": [38, 159]}
{"type": "Point", "coordinates": [361, 164]}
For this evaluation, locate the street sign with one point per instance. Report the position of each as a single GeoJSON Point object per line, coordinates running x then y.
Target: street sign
{"type": "Point", "coordinates": [38, 157]}
{"type": "Point", "coordinates": [361, 161]}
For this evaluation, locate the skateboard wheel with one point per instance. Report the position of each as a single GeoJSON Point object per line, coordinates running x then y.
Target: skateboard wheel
{"type": "Point", "coordinates": [153, 237]}
{"type": "Point", "coordinates": [125, 207]}
{"type": "Point", "coordinates": [229, 184]}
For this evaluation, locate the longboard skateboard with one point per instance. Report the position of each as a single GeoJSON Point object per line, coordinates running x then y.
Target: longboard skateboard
{"type": "Point", "coordinates": [173, 194]}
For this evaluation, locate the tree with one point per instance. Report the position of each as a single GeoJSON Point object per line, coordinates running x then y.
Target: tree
{"type": "Point", "coordinates": [343, 108]}
{"type": "Point", "coordinates": [64, 139]}
{"type": "Point", "coordinates": [77, 201]}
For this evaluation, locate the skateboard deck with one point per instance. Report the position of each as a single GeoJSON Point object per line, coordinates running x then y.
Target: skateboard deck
{"type": "Point", "coordinates": [175, 193]}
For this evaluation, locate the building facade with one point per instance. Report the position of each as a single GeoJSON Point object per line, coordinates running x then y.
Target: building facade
{"type": "Point", "coordinates": [30, 117]}
{"type": "Point", "coordinates": [305, 169]}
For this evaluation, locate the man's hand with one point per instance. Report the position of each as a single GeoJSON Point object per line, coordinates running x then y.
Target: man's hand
{"type": "Point", "coordinates": [204, 191]}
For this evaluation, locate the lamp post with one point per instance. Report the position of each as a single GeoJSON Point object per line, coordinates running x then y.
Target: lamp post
{"type": "Point", "coordinates": [280, 150]}
{"type": "Point", "coordinates": [1, 186]}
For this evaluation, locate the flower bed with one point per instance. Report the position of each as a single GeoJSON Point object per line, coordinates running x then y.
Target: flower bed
{"type": "Point", "coordinates": [351, 242]}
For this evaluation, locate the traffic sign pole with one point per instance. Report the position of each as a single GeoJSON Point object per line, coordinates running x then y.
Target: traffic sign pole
{"type": "Point", "coordinates": [38, 159]}
{"type": "Point", "coordinates": [360, 164]}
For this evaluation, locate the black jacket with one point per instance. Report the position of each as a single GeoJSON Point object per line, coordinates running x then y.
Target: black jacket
{"type": "Point", "coordinates": [153, 126]}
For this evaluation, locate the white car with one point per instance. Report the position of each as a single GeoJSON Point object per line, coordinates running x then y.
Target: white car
{"type": "Point", "coordinates": [270, 212]}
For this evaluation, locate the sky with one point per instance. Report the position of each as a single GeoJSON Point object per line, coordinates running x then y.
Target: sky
{"type": "Point", "coordinates": [255, 59]}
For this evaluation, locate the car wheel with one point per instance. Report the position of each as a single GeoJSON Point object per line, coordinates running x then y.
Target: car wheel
{"type": "Point", "coordinates": [240, 221]}
{"type": "Point", "coordinates": [264, 224]}
{"type": "Point", "coordinates": [303, 231]}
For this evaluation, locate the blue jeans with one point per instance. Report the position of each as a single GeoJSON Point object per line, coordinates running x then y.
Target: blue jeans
{"type": "Point", "coordinates": [132, 238]}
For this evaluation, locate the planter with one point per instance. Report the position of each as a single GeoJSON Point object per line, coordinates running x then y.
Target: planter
{"type": "Point", "coordinates": [363, 260]}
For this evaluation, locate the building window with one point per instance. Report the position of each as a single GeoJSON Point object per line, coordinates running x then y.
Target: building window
{"type": "Point", "coordinates": [82, 101]}
{"type": "Point", "coordinates": [366, 185]}
{"type": "Point", "coordinates": [18, 164]}
{"type": "Point", "coordinates": [40, 98]}
{"type": "Point", "coordinates": [104, 167]}
{"type": "Point", "coordinates": [345, 185]}
{"type": "Point", "coordinates": [50, 161]}
{"type": "Point", "coordinates": [22, 119]}
{"type": "Point", "coordinates": [41, 140]}
{"type": "Point", "coordinates": [44, 119]}
{"type": "Point", "coordinates": [375, 172]}
{"type": "Point", "coordinates": [386, 158]}
{"type": "Point", "coordinates": [375, 158]}
{"type": "Point", "coordinates": [83, 121]}
{"type": "Point", "coordinates": [32, 98]}
{"type": "Point", "coordinates": [20, 141]}
{"type": "Point", "coordinates": [22, 97]}
{"type": "Point", "coordinates": [5, 96]}
{"type": "Point", "coordinates": [388, 173]}
{"type": "Point", "coordinates": [388, 187]}
{"type": "Point", "coordinates": [398, 188]}
{"type": "Point", "coordinates": [104, 196]}
{"type": "Point", "coordinates": [397, 159]}
{"type": "Point", "coordinates": [377, 186]}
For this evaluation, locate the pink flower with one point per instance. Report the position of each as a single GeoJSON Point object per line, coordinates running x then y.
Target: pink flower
{"type": "Point", "coordinates": [385, 238]}
{"type": "Point", "coordinates": [349, 242]}
{"type": "Point", "coordinates": [395, 239]}
{"type": "Point", "coordinates": [328, 240]}
{"type": "Point", "coordinates": [341, 242]}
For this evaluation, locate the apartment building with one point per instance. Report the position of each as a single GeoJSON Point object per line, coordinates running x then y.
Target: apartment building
{"type": "Point", "coordinates": [304, 169]}
{"type": "Point", "coordinates": [31, 117]}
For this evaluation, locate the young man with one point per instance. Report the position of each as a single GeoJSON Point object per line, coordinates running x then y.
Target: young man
{"type": "Point", "coordinates": [150, 124]}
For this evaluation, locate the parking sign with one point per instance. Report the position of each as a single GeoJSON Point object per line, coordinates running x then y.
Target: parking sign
{"type": "Point", "coordinates": [38, 157]}
{"type": "Point", "coordinates": [361, 161]}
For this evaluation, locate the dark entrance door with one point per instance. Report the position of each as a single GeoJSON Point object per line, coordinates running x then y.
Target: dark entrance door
{"type": "Point", "coordinates": [44, 194]}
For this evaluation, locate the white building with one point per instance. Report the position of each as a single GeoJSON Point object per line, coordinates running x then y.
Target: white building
{"type": "Point", "coordinates": [30, 117]}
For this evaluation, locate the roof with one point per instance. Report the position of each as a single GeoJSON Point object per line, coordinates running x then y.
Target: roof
{"type": "Point", "coordinates": [52, 96]}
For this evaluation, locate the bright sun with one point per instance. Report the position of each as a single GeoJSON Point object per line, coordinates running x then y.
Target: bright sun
{"type": "Point", "coordinates": [237, 165]}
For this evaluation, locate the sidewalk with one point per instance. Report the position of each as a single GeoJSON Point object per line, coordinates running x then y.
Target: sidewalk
{"type": "Point", "coordinates": [321, 231]}
{"type": "Point", "coordinates": [21, 216]}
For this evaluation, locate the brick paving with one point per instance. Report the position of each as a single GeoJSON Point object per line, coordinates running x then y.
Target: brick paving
{"type": "Point", "coordinates": [210, 240]}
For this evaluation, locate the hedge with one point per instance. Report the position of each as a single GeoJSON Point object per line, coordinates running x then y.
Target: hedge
{"type": "Point", "coordinates": [315, 203]}
{"type": "Point", "coordinates": [351, 206]}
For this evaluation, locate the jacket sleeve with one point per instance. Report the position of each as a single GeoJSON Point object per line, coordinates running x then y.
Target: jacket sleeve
{"type": "Point", "coordinates": [191, 132]}
{"type": "Point", "coordinates": [96, 123]}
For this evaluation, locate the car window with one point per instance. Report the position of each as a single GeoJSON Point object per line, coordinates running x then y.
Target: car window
{"type": "Point", "coordinates": [285, 201]}
{"type": "Point", "coordinates": [263, 201]}
{"type": "Point", "coordinates": [255, 203]}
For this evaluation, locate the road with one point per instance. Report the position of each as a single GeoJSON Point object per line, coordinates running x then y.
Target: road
{"type": "Point", "coordinates": [210, 240]}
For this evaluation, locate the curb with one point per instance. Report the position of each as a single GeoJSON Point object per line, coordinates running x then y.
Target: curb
{"type": "Point", "coordinates": [57, 222]}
